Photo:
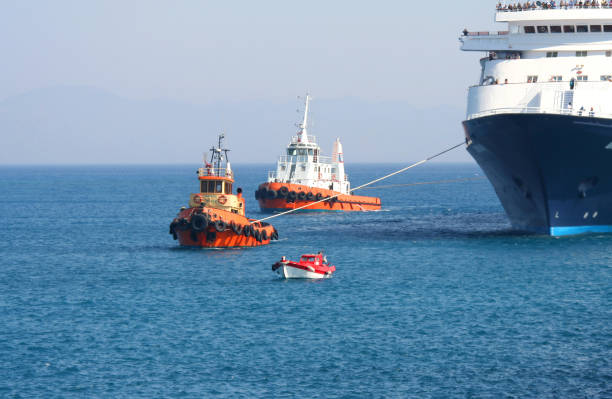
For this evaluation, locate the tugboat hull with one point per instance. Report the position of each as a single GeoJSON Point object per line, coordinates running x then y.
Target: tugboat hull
{"type": "Point", "coordinates": [214, 228]}
{"type": "Point", "coordinates": [550, 172]}
{"type": "Point", "coordinates": [285, 196]}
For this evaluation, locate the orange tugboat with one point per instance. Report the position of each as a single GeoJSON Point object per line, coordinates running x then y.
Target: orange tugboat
{"type": "Point", "coordinates": [303, 177]}
{"type": "Point", "coordinates": [215, 217]}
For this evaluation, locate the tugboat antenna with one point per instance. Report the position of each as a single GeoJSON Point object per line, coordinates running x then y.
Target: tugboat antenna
{"type": "Point", "coordinates": [217, 154]}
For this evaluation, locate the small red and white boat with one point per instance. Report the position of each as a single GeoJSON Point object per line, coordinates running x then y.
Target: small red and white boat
{"type": "Point", "coordinates": [309, 266]}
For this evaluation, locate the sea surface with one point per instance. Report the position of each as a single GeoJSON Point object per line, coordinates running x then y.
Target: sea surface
{"type": "Point", "coordinates": [434, 296]}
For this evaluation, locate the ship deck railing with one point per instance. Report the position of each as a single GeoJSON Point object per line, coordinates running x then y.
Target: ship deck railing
{"type": "Point", "coordinates": [311, 139]}
{"type": "Point", "coordinates": [535, 7]}
{"type": "Point", "coordinates": [214, 172]}
{"type": "Point", "coordinates": [538, 110]}
{"type": "Point", "coordinates": [487, 33]}
{"type": "Point", "coordinates": [290, 159]}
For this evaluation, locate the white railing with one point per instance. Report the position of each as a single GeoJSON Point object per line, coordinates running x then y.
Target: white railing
{"type": "Point", "coordinates": [303, 158]}
{"type": "Point", "coordinates": [486, 33]}
{"type": "Point", "coordinates": [214, 172]}
{"type": "Point", "coordinates": [538, 110]}
{"type": "Point", "coordinates": [296, 139]}
{"type": "Point", "coordinates": [546, 5]}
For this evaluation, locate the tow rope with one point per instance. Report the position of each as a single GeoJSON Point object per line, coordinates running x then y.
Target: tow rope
{"type": "Point", "coordinates": [422, 183]}
{"type": "Point", "coordinates": [364, 185]}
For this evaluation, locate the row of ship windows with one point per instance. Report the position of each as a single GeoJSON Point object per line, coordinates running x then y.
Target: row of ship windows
{"type": "Point", "coordinates": [552, 54]}
{"type": "Point", "coordinates": [293, 152]}
{"type": "Point", "coordinates": [559, 78]}
{"type": "Point", "coordinates": [567, 28]}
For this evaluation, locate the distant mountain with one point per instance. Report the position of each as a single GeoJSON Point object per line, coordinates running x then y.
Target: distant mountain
{"type": "Point", "coordinates": [72, 125]}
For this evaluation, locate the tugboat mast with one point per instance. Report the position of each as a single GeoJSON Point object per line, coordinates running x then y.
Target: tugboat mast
{"type": "Point", "coordinates": [304, 126]}
{"type": "Point", "coordinates": [217, 155]}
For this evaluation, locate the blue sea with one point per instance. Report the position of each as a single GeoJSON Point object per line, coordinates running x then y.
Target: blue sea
{"type": "Point", "coordinates": [434, 296]}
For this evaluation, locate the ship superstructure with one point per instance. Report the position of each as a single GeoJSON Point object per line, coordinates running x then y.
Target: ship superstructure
{"type": "Point", "coordinates": [539, 121]}
{"type": "Point", "coordinates": [304, 164]}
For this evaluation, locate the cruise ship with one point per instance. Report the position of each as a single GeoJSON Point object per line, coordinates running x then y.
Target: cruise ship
{"type": "Point", "coordinates": [539, 121]}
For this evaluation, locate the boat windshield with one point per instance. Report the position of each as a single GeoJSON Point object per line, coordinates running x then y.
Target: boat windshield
{"type": "Point", "coordinates": [309, 259]}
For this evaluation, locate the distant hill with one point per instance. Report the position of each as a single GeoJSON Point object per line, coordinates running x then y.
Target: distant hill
{"type": "Point", "coordinates": [73, 125]}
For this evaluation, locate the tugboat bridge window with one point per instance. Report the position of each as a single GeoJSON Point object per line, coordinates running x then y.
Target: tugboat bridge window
{"type": "Point", "coordinates": [581, 53]}
{"type": "Point", "coordinates": [555, 29]}
{"type": "Point", "coordinates": [542, 29]}
{"type": "Point", "coordinates": [211, 187]}
{"type": "Point", "coordinates": [529, 29]}
{"type": "Point", "coordinates": [218, 187]}
{"type": "Point", "coordinates": [607, 28]}
{"type": "Point", "coordinates": [606, 78]}
{"type": "Point", "coordinates": [532, 79]}
{"type": "Point", "coordinates": [556, 78]}
{"type": "Point", "coordinates": [552, 54]}
{"type": "Point", "coordinates": [595, 28]}
{"type": "Point", "coordinates": [582, 28]}
{"type": "Point", "coordinates": [583, 78]}
{"type": "Point", "coordinates": [228, 187]}
{"type": "Point", "coordinates": [569, 29]}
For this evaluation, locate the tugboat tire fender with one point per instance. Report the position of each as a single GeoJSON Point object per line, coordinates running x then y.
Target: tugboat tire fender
{"type": "Point", "coordinates": [301, 196]}
{"type": "Point", "coordinates": [236, 228]}
{"type": "Point", "coordinates": [283, 191]}
{"type": "Point", "coordinates": [264, 234]}
{"type": "Point", "coordinates": [220, 225]}
{"type": "Point", "coordinates": [198, 222]}
{"type": "Point", "coordinates": [318, 196]}
{"type": "Point", "coordinates": [310, 196]}
{"type": "Point", "coordinates": [247, 230]}
{"type": "Point", "coordinates": [271, 194]}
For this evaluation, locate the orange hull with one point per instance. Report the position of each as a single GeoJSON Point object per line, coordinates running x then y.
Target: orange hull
{"type": "Point", "coordinates": [285, 196]}
{"type": "Point", "coordinates": [216, 228]}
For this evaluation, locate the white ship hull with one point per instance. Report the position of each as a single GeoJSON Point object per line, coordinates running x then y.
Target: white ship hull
{"type": "Point", "coordinates": [293, 272]}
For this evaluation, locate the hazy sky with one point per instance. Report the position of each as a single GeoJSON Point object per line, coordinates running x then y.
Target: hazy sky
{"type": "Point", "coordinates": [205, 52]}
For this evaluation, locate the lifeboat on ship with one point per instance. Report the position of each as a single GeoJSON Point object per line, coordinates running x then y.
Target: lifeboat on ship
{"type": "Point", "coordinates": [215, 217]}
{"type": "Point", "coordinates": [305, 178]}
{"type": "Point", "coordinates": [309, 266]}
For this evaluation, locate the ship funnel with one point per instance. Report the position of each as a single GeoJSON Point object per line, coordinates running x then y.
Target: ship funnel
{"type": "Point", "coordinates": [337, 155]}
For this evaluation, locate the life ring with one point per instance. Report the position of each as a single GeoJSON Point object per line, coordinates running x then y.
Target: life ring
{"type": "Point", "coordinates": [197, 199]}
{"type": "Point", "coordinates": [301, 196]}
{"type": "Point", "coordinates": [222, 199]}
{"type": "Point", "coordinates": [220, 225]}
{"type": "Point", "coordinates": [283, 191]}
{"type": "Point", "coordinates": [198, 222]}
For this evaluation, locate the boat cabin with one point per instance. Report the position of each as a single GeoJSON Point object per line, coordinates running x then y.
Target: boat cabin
{"type": "Point", "coordinates": [216, 183]}
{"type": "Point", "coordinates": [317, 259]}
